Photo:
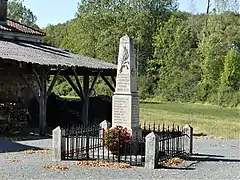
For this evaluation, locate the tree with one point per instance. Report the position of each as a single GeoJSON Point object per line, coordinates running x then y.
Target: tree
{"type": "Point", "coordinates": [227, 5]}
{"type": "Point", "coordinates": [231, 74]}
{"type": "Point", "coordinates": [55, 34]}
{"type": "Point", "coordinates": [230, 79]}
{"type": "Point", "coordinates": [175, 60]}
{"type": "Point", "coordinates": [208, 6]}
{"type": "Point", "coordinates": [17, 11]}
{"type": "Point", "coordinates": [156, 12]}
{"type": "Point", "coordinates": [100, 24]}
{"type": "Point", "coordinates": [215, 40]}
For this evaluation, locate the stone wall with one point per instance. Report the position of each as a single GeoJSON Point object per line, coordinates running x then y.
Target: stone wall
{"type": "Point", "coordinates": [15, 97]}
{"type": "Point", "coordinates": [13, 88]}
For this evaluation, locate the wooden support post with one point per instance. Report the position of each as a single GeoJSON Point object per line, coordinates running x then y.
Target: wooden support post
{"type": "Point", "coordinates": [85, 109]}
{"type": "Point", "coordinates": [42, 101]}
{"type": "Point", "coordinates": [108, 83]}
{"type": "Point", "coordinates": [113, 80]}
{"type": "Point", "coordinates": [53, 83]}
{"type": "Point", "coordinates": [37, 78]}
{"type": "Point", "coordinates": [73, 85]}
{"type": "Point", "coordinates": [79, 85]}
{"type": "Point", "coordinates": [86, 99]}
{"type": "Point", "coordinates": [93, 84]}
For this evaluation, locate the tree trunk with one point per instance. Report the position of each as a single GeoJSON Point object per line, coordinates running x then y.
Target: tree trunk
{"type": "Point", "coordinates": [208, 6]}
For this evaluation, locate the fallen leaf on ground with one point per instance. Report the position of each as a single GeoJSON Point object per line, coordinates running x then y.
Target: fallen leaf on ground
{"type": "Point", "coordinates": [102, 164]}
{"type": "Point", "coordinates": [172, 162]}
{"type": "Point", "coordinates": [62, 168]}
{"type": "Point", "coordinates": [36, 152]}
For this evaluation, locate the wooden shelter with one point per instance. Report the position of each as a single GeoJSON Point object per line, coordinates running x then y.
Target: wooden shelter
{"type": "Point", "coordinates": [23, 56]}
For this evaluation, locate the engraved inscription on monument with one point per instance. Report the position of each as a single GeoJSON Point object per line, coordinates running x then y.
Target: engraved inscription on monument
{"type": "Point", "coordinates": [121, 107]}
{"type": "Point", "coordinates": [123, 83]}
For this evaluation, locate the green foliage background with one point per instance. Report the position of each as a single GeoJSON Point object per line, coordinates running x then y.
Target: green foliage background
{"type": "Point", "coordinates": [181, 57]}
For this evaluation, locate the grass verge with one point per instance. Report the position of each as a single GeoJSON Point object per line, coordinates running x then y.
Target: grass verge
{"type": "Point", "coordinates": [211, 120]}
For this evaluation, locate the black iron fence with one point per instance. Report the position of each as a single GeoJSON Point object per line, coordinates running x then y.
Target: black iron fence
{"type": "Point", "coordinates": [171, 139]}
{"type": "Point", "coordinates": [96, 143]}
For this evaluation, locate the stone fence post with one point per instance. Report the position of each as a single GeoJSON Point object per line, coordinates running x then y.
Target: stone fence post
{"type": "Point", "coordinates": [151, 151]}
{"type": "Point", "coordinates": [188, 139]}
{"type": "Point", "coordinates": [58, 143]}
{"type": "Point", "coordinates": [104, 126]}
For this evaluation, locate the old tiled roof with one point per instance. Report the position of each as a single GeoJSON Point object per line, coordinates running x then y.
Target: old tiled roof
{"type": "Point", "coordinates": [48, 55]}
{"type": "Point", "coordinates": [14, 26]}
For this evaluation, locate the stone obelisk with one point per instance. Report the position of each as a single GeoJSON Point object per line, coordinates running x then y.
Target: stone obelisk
{"type": "Point", "coordinates": [125, 110]}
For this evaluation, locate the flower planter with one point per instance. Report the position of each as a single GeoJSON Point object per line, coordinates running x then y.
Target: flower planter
{"type": "Point", "coordinates": [115, 137]}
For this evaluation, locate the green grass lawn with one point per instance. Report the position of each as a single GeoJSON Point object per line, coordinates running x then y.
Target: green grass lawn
{"type": "Point", "coordinates": [211, 120]}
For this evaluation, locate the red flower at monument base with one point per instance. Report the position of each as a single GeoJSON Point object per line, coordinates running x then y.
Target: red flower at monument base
{"type": "Point", "coordinates": [116, 138]}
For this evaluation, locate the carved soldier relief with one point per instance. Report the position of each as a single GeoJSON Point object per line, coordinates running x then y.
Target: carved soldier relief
{"type": "Point", "coordinates": [126, 75]}
{"type": "Point", "coordinates": [124, 60]}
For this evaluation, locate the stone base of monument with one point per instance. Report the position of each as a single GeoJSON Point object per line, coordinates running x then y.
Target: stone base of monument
{"type": "Point", "coordinates": [136, 139]}
{"type": "Point", "coordinates": [125, 110]}
{"type": "Point", "coordinates": [136, 133]}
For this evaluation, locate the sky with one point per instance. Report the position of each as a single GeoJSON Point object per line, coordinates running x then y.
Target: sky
{"type": "Point", "coordinates": [59, 11]}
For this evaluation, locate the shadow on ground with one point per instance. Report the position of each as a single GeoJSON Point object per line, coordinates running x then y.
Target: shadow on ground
{"type": "Point", "coordinates": [208, 155]}
{"type": "Point", "coordinates": [10, 146]}
{"type": "Point", "coordinates": [198, 158]}
{"type": "Point", "coordinates": [176, 168]}
{"type": "Point", "coordinates": [209, 159]}
{"type": "Point", "coordinates": [23, 136]}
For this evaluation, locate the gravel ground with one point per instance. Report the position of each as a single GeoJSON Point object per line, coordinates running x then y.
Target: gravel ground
{"type": "Point", "coordinates": [213, 159]}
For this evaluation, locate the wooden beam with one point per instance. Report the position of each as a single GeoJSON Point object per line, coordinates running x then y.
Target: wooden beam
{"type": "Point", "coordinates": [79, 73]}
{"type": "Point", "coordinates": [109, 84]}
{"type": "Point", "coordinates": [86, 100]}
{"type": "Point", "coordinates": [113, 80]}
{"type": "Point", "coordinates": [85, 109]}
{"type": "Point", "coordinates": [37, 77]}
{"type": "Point", "coordinates": [73, 85]}
{"type": "Point", "coordinates": [29, 87]}
{"type": "Point", "coordinates": [93, 83]}
{"type": "Point", "coordinates": [43, 101]}
{"type": "Point", "coordinates": [53, 83]}
{"type": "Point", "coordinates": [79, 85]}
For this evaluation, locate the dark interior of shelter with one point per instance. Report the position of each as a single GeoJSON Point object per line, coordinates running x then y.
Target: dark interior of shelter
{"type": "Point", "coordinates": [62, 111]}
{"type": "Point", "coordinates": [15, 116]}
{"type": "Point", "coordinates": [26, 97]}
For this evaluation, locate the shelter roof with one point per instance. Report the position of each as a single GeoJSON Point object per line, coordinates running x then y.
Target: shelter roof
{"type": "Point", "coordinates": [14, 26]}
{"type": "Point", "coordinates": [42, 54]}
